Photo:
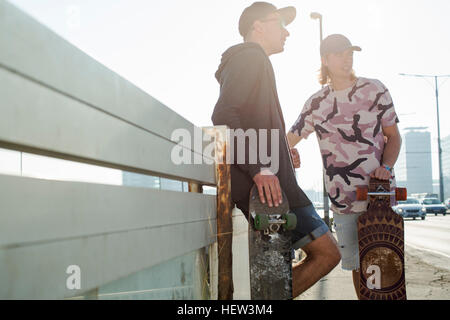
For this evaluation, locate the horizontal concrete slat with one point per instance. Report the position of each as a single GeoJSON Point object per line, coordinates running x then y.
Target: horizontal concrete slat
{"type": "Point", "coordinates": [34, 116]}
{"type": "Point", "coordinates": [34, 211]}
{"type": "Point", "coordinates": [32, 49]}
{"type": "Point", "coordinates": [108, 231]}
{"type": "Point", "coordinates": [39, 271]}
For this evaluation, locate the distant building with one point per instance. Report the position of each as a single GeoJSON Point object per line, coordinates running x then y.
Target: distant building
{"type": "Point", "coordinates": [144, 181]}
{"type": "Point", "coordinates": [139, 180]}
{"type": "Point", "coordinates": [413, 169]}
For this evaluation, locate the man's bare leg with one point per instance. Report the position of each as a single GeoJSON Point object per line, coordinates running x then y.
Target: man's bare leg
{"type": "Point", "coordinates": [322, 256]}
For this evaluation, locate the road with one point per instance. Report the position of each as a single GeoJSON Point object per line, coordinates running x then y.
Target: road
{"type": "Point", "coordinates": [431, 235]}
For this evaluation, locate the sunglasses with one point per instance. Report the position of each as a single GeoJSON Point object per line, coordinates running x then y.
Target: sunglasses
{"type": "Point", "coordinates": [280, 21]}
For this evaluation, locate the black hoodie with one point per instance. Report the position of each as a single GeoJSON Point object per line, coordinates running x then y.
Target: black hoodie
{"type": "Point", "coordinates": [249, 100]}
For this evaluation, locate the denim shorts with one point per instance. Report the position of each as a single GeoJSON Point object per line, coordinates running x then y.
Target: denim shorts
{"type": "Point", "coordinates": [310, 226]}
{"type": "Point", "coordinates": [346, 226]}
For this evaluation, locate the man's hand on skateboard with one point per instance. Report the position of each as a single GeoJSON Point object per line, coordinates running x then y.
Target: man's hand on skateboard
{"type": "Point", "coordinates": [295, 158]}
{"type": "Point", "coordinates": [381, 173]}
{"type": "Point", "coordinates": [268, 184]}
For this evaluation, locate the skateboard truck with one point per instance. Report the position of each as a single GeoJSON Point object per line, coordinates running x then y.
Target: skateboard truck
{"type": "Point", "coordinates": [271, 223]}
{"type": "Point", "coordinates": [362, 193]}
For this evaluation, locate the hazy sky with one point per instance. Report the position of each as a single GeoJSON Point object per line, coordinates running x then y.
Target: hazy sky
{"type": "Point", "coordinates": [171, 49]}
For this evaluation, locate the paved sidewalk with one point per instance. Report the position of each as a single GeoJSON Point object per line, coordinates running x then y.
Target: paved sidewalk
{"type": "Point", "coordinates": [427, 278]}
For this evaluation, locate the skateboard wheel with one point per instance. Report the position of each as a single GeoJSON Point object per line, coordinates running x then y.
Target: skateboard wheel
{"type": "Point", "coordinates": [400, 194]}
{"type": "Point", "coordinates": [361, 193]}
{"type": "Point", "coordinates": [291, 221]}
{"type": "Point", "coordinates": [261, 222]}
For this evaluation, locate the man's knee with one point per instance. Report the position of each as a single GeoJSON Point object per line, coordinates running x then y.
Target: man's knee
{"type": "Point", "coordinates": [335, 256]}
{"type": "Point", "coordinates": [324, 249]}
{"type": "Point", "coordinates": [332, 256]}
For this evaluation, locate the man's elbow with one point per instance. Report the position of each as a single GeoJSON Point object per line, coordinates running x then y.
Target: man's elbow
{"type": "Point", "coordinates": [216, 118]}
{"type": "Point", "coordinates": [393, 136]}
{"type": "Point", "coordinates": [394, 139]}
{"type": "Point", "coordinates": [397, 138]}
{"type": "Point", "coordinates": [225, 118]}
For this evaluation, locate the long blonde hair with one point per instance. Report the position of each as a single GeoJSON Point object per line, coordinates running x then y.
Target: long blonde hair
{"type": "Point", "coordinates": [324, 75]}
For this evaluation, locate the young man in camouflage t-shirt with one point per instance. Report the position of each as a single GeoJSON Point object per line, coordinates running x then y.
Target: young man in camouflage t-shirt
{"type": "Point", "coordinates": [352, 118]}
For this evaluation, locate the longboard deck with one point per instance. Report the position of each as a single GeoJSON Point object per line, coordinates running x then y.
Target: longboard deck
{"type": "Point", "coordinates": [381, 248]}
{"type": "Point", "coordinates": [270, 255]}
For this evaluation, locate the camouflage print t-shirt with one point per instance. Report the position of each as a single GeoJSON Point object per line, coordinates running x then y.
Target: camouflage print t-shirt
{"type": "Point", "coordinates": [348, 124]}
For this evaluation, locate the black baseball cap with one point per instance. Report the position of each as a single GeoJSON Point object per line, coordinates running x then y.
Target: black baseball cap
{"type": "Point", "coordinates": [260, 10]}
{"type": "Point", "coordinates": [336, 43]}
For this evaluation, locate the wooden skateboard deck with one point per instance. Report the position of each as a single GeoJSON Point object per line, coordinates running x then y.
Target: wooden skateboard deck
{"type": "Point", "coordinates": [381, 245]}
{"type": "Point", "coordinates": [270, 253]}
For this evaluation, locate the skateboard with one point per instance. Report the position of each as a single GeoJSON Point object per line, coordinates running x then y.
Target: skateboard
{"type": "Point", "coordinates": [270, 249]}
{"type": "Point", "coordinates": [381, 244]}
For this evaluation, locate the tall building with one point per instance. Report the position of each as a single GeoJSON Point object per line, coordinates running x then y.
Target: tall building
{"type": "Point", "coordinates": [414, 166]}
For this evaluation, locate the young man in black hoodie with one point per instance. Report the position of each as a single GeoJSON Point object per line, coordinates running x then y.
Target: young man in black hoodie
{"type": "Point", "coordinates": [248, 100]}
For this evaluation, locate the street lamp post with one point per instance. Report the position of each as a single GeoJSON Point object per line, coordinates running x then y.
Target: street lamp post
{"type": "Point", "coordinates": [318, 16]}
{"type": "Point", "coordinates": [441, 178]}
{"type": "Point", "coordinates": [326, 208]}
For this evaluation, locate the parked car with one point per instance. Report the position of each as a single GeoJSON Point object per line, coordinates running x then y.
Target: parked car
{"type": "Point", "coordinates": [433, 205]}
{"type": "Point", "coordinates": [411, 208]}
{"type": "Point", "coordinates": [447, 203]}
